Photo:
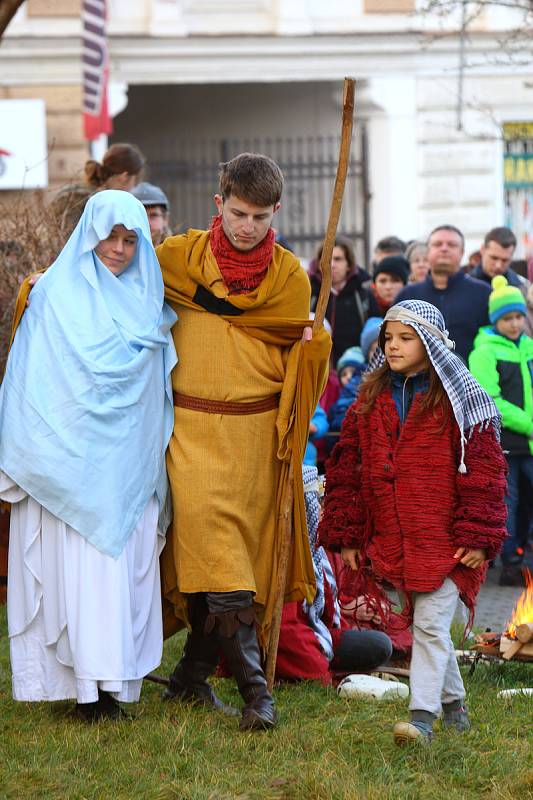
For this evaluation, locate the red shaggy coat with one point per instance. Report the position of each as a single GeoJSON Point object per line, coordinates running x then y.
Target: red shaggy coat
{"type": "Point", "coordinates": [395, 493]}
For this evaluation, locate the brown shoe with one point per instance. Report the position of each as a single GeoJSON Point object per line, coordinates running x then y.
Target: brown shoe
{"type": "Point", "coordinates": [408, 733]}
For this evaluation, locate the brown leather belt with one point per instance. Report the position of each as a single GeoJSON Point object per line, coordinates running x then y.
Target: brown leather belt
{"type": "Point", "coordinates": [224, 407]}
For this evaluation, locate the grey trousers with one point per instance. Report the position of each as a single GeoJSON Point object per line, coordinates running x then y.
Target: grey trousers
{"type": "Point", "coordinates": [435, 676]}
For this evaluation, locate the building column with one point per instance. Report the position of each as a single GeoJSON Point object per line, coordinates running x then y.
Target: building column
{"type": "Point", "coordinates": [292, 18]}
{"type": "Point", "coordinates": [389, 106]}
{"type": "Point", "coordinates": [166, 17]}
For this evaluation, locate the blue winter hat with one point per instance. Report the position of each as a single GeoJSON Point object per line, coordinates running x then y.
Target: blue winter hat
{"type": "Point", "coordinates": [504, 299]}
{"type": "Point", "coordinates": [370, 334]}
{"type": "Point", "coordinates": [352, 357]}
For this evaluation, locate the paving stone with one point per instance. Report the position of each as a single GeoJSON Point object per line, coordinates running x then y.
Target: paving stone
{"type": "Point", "coordinates": [495, 603]}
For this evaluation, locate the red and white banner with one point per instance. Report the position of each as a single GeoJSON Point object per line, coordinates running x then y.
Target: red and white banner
{"type": "Point", "coordinates": [95, 58]}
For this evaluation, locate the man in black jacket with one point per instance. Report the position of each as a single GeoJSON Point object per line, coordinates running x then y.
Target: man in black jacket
{"type": "Point", "coordinates": [497, 253]}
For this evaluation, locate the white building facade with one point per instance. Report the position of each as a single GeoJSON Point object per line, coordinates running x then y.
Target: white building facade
{"type": "Point", "coordinates": [214, 76]}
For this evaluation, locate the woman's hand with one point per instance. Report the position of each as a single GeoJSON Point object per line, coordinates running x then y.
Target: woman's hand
{"type": "Point", "coordinates": [32, 281]}
{"type": "Point", "coordinates": [350, 557]}
{"type": "Point", "coordinates": [364, 612]}
{"type": "Point", "coordinates": [471, 558]}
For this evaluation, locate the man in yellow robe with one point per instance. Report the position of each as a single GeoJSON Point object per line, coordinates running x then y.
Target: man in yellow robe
{"type": "Point", "coordinates": [244, 391]}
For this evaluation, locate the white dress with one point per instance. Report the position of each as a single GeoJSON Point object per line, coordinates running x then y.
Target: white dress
{"type": "Point", "coordinates": [80, 620]}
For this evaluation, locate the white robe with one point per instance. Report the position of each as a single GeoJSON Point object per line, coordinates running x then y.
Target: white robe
{"type": "Point", "coordinates": [79, 620]}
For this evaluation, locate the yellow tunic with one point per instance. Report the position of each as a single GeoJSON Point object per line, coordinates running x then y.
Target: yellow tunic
{"type": "Point", "coordinates": [228, 473]}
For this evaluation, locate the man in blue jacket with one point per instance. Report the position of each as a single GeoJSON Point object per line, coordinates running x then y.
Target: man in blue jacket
{"type": "Point", "coordinates": [462, 300]}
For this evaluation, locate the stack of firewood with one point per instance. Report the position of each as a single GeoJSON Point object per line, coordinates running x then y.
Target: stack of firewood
{"type": "Point", "coordinates": [501, 645]}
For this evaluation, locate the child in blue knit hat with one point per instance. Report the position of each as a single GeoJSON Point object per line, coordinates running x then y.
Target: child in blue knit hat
{"type": "Point", "coordinates": [351, 367]}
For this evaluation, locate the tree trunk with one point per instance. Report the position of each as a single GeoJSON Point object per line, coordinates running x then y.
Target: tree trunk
{"type": "Point", "coordinates": [8, 9]}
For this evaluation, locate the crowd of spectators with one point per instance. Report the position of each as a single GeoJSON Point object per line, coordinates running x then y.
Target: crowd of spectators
{"type": "Point", "coordinates": [434, 270]}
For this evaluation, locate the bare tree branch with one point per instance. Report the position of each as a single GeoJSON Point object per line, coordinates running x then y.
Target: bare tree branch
{"type": "Point", "coordinates": [514, 46]}
{"type": "Point", "coordinates": [8, 9]}
{"type": "Point", "coordinates": [443, 7]}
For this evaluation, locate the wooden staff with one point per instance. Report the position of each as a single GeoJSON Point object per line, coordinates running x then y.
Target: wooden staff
{"type": "Point", "coordinates": [320, 311]}
{"type": "Point", "coordinates": [152, 676]}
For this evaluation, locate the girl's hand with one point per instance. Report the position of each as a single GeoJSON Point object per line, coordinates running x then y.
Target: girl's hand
{"type": "Point", "coordinates": [365, 612]}
{"type": "Point", "coordinates": [350, 557]}
{"type": "Point", "coordinates": [32, 281]}
{"type": "Point", "coordinates": [471, 558]}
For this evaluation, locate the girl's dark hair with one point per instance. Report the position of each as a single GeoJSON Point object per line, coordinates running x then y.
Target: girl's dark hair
{"type": "Point", "coordinates": [117, 159]}
{"type": "Point", "coordinates": [347, 249]}
{"type": "Point", "coordinates": [374, 382]}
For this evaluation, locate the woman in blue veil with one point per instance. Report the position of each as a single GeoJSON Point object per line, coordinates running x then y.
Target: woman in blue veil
{"type": "Point", "coordinates": [86, 414]}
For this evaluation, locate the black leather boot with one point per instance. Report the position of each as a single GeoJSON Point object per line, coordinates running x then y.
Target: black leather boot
{"type": "Point", "coordinates": [188, 682]}
{"type": "Point", "coordinates": [106, 707]}
{"type": "Point", "coordinates": [241, 651]}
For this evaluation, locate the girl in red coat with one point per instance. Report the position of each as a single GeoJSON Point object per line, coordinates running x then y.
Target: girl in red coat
{"type": "Point", "coordinates": [415, 497]}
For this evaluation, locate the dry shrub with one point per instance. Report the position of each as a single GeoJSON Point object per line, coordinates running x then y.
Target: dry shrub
{"type": "Point", "coordinates": [32, 233]}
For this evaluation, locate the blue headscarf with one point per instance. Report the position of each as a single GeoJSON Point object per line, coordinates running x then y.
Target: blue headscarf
{"type": "Point", "coordinates": [86, 408]}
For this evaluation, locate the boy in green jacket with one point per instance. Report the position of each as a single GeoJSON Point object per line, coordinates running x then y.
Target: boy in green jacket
{"type": "Point", "coordinates": [502, 362]}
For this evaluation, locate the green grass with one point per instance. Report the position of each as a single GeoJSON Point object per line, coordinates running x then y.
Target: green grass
{"type": "Point", "coordinates": [325, 748]}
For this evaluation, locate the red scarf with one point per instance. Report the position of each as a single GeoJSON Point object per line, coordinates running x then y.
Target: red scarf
{"type": "Point", "coordinates": [242, 271]}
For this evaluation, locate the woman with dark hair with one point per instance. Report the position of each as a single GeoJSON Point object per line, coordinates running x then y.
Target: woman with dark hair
{"type": "Point", "coordinates": [350, 304]}
{"type": "Point", "coordinates": [121, 168]}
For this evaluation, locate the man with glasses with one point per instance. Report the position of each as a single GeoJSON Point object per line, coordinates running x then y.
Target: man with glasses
{"type": "Point", "coordinates": [156, 204]}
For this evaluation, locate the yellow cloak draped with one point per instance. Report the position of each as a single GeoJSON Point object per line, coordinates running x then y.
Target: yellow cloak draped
{"type": "Point", "coordinates": [228, 473]}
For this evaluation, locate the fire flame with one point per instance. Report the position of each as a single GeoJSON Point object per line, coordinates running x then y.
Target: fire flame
{"type": "Point", "coordinates": [523, 610]}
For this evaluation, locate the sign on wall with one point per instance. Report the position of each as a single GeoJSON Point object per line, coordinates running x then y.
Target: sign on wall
{"type": "Point", "coordinates": [518, 183]}
{"type": "Point", "coordinates": [23, 152]}
{"type": "Point", "coordinates": [518, 170]}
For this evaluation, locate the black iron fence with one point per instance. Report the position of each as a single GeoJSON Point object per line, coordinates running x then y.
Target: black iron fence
{"type": "Point", "coordinates": [309, 165]}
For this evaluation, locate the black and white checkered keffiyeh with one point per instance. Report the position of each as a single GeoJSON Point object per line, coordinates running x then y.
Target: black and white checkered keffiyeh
{"type": "Point", "coordinates": [322, 567]}
{"type": "Point", "coordinates": [470, 402]}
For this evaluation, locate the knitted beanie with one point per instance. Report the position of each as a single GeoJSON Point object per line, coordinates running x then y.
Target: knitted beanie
{"type": "Point", "coordinates": [393, 265]}
{"type": "Point", "coordinates": [352, 357]}
{"type": "Point", "coordinates": [504, 299]}
{"type": "Point", "coordinates": [370, 334]}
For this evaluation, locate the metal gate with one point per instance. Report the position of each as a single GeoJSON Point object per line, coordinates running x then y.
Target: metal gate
{"type": "Point", "coordinates": [309, 165]}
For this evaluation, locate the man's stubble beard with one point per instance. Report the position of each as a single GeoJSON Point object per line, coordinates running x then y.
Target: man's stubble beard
{"type": "Point", "coordinates": [444, 270]}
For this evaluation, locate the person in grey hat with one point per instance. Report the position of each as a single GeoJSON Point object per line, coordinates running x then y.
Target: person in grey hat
{"type": "Point", "coordinates": [155, 202]}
